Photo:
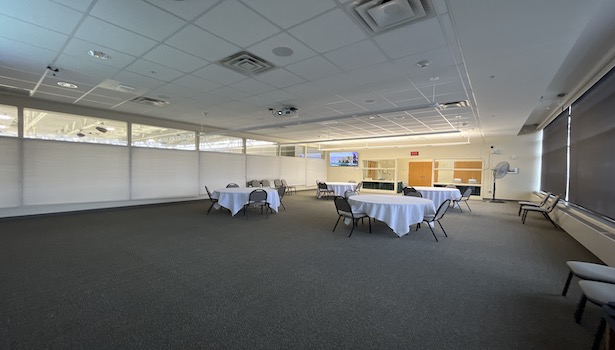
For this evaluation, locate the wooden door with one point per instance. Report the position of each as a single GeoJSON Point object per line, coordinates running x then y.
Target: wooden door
{"type": "Point", "coordinates": [419, 173]}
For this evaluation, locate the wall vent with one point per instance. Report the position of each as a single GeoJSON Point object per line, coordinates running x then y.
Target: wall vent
{"type": "Point", "coordinates": [378, 16]}
{"type": "Point", "coordinates": [247, 63]}
{"type": "Point", "coordinates": [149, 101]}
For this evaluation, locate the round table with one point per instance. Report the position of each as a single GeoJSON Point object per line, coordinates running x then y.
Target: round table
{"type": "Point", "coordinates": [399, 212]}
{"type": "Point", "coordinates": [235, 198]}
{"type": "Point", "coordinates": [439, 194]}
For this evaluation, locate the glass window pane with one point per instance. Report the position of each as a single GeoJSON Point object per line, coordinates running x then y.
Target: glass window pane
{"type": "Point", "coordinates": [158, 137]}
{"type": "Point", "coordinates": [221, 143]}
{"type": "Point", "coordinates": [292, 151]}
{"type": "Point", "coordinates": [313, 152]}
{"type": "Point", "coordinates": [46, 125]}
{"type": "Point", "coordinates": [8, 121]}
{"type": "Point", "coordinates": [261, 147]}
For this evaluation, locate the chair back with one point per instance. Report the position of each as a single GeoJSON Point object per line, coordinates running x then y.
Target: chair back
{"type": "Point", "coordinates": [277, 183]}
{"type": "Point", "coordinates": [359, 186]}
{"type": "Point", "coordinates": [208, 193]}
{"type": "Point", "coordinates": [255, 183]}
{"type": "Point", "coordinates": [411, 191]}
{"type": "Point", "coordinates": [442, 209]}
{"type": "Point", "coordinates": [232, 185]}
{"type": "Point", "coordinates": [265, 183]}
{"type": "Point", "coordinates": [467, 193]}
{"type": "Point", "coordinates": [284, 182]}
{"type": "Point", "coordinates": [257, 196]}
{"type": "Point", "coordinates": [349, 193]}
{"type": "Point", "coordinates": [546, 199]}
{"type": "Point", "coordinates": [342, 205]}
{"type": "Point", "coordinates": [553, 203]}
{"type": "Point", "coordinates": [281, 191]}
{"type": "Point", "coordinates": [322, 186]}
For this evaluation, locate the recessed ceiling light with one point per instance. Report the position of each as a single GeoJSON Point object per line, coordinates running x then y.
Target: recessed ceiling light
{"type": "Point", "coordinates": [399, 117]}
{"type": "Point", "coordinates": [67, 85]}
{"type": "Point", "coordinates": [371, 117]}
{"type": "Point", "coordinates": [282, 51]}
{"type": "Point", "coordinates": [370, 101]}
{"type": "Point", "coordinates": [423, 63]}
{"type": "Point", "coordinates": [99, 54]}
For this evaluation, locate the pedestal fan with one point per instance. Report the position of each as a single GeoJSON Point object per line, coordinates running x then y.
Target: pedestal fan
{"type": "Point", "coordinates": [499, 172]}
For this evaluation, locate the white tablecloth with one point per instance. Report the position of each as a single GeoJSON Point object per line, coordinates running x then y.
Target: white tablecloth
{"type": "Point", "coordinates": [399, 212]}
{"type": "Point", "coordinates": [338, 187]}
{"type": "Point", "coordinates": [438, 194]}
{"type": "Point", "coordinates": [234, 198]}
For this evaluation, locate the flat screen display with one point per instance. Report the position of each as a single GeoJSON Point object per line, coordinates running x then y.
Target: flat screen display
{"type": "Point", "coordinates": [344, 159]}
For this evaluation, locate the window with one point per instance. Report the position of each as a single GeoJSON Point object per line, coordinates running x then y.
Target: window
{"type": "Point", "coordinates": [48, 125]}
{"type": "Point", "coordinates": [462, 173]}
{"type": "Point", "coordinates": [158, 137]}
{"type": "Point", "coordinates": [313, 152]}
{"type": "Point", "coordinates": [8, 121]}
{"type": "Point", "coordinates": [221, 143]}
{"type": "Point", "coordinates": [261, 147]}
{"type": "Point", "coordinates": [292, 151]}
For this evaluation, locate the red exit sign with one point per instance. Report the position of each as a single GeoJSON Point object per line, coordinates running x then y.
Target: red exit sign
{"type": "Point", "coordinates": [414, 153]}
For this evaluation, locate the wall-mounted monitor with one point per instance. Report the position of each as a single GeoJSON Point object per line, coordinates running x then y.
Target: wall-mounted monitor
{"type": "Point", "coordinates": [344, 159]}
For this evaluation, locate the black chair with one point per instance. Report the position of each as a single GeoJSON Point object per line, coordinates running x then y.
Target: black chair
{"type": "Point", "coordinates": [345, 211]}
{"type": "Point", "coordinates": [255, 183]}
{"type": "Point", "coordinates": [358, 188]}
{"type": "Point", "coordinates": [464, 198]}
{"type": "Point", "coordinates": [411, 191]}
{"type": "Point", "coordinates": [231, 185]}
{"type": "Point", "coordinates": [257, 198]}
{"type": "Point", "coordinates": [545, 210]}
{"type": "Point", "coordinates": [349, 193]}
{"type": "Point", "coordinates": [608, 316]}
{"type": "Point", "coordinates": [266, 184]}
{"type": "Point", "coordinates": [213, 200]}
{"type": "Point", "coordinates": [324, 190]}
{"type": "Point", "coordinates": [277, 183]}
{"type": "Point", "coordinates": [534, 204]}
{"type": "Point", "coordinates": [437, 217]}
{"type": "Point", "coordinates": [281, 192]}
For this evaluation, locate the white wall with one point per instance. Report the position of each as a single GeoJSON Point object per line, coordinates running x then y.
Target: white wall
{"type": "Point", "coordinates": [521, 152]}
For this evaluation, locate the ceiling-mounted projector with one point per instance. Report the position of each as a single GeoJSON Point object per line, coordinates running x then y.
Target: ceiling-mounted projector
{"type": "Point", "coordinates": [287, 111]}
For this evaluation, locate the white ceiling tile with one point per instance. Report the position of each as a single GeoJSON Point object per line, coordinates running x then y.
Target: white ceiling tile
{"type": "Point", "coordinates": [24, 57]}
{"type": "Point", "coordinates": [43, 13]}
{"type": "Point", "coordinates": [280, 78]}
{"type": "Point", "coordinates": [31, 34]}
{"type": "Point", "coordinates": [6, 72]}
{"type": "Point", "coordinates": [154, 70]}
{"type": "Point", "coordinates": [357, 55]}
{"type": "Point", "coordinates": [148, 22]}
{"type": "Point", "coordinates": [210, 100]}
{"type": "Point", "coordinates": [175, 91]}
{"type": "Point", "coordinates": [264, 49]}
{"type": "Point", "coordinates": [277, 96]}
{"type": "Point", "coordinates": [107, 35]}
{"type": "Point", "coordinates": [79, 5]}
{"type": "Point", "coordinates": [187, 10]}
{"type": "Point", "coordinates": [219, 74]}
{"type": "Point", "coordinates": [112, 93]}
{"type": "Point", "coordinates": [412, 39]}
{"type": "Point", "coordinates": [226, 19]}
{"type": "Point", "coordinates": [137, 80]}
{"type": "Point", "coordinates": [131, 107]}
{"type": "Point", "coordinates": [57, 90]}
{"type": "Point", "coordinates": [252, 86]}
{"type": "Point", "coordinates": [84, 82]}
{"type": "Point", "coordinates": [313, 68]}
{"type": "Point", "coordinates": [84, 64]}
{"type": "Point", "coordinates": [79, 49]}
{"type": "Point", "coordinates": [257, 101]}
{"type": "Point", "coordinates": [228, 92]}
{"type": "Point", "coordinates": [287, 13]}
{"type": "Point", "coordinates": [328, 31]}
{"type": "Point", "coordinates": [174, 58]}
{"type": "Point", "coordinates": [56, 98]}
{"type": "Point", "coordinates": [309, 90]}
{"type": "Point", "coordinates": [202, 44]}
{"type": "Point", "coordinates": [438, 58]}
{"type": "Point", "coordinates": [195, 83]}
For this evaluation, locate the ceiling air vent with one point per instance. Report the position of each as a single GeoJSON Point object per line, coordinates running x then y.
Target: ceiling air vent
{"type": "Point", "coordinates": [246, 63]}
{"type": "Point", "coordinates": [455, 104]}
{"type": "Point", "coordinates": [14, 90]}
{"type": "Point", "coordinates": [149, 101]}
{"type": "Point", "coordinates": [378, 16]}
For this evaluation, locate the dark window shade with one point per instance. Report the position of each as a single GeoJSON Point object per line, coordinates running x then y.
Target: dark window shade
{"type": "Point", "coordinates": [592, 148]}
{"type": "Point", "coordinates": [554, 145]}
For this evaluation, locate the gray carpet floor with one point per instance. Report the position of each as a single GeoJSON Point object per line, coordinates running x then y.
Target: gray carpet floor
{"type": "Point", "coordinates": [169, 276]}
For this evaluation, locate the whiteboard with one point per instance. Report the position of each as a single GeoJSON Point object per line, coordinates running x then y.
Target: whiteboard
{"type": "Point", "coordinates": [219, 169]}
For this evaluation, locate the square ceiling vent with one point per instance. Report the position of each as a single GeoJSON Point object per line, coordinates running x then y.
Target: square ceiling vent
{"type": "Point", "coordinates": [378, 16]}
{"type": "Point", "coordinates": [247, 63]}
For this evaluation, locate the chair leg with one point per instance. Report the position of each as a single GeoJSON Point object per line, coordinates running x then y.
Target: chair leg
{"type": "Point", "coordinates": [370, 225]}
{"type": "Point", "coordinates": [459, 206]}
{"type": "Point", "coordinates": [466, 202]}
{"type": "Point", "coordinates": [580, 308]}
{"type": "Point", "coordinates": [442, 228]}
{"type": "Point", "coordinates": [337, 222]}
{"type": "Point", "coordinates": [599, 334]}
{"type": "Point", "coordinates": [549, 218]}
{"type": "Point", "coordinates": [282, 204]}
{"type": "Point", "coordinates": [211, 206]}
{"type": "Point", "coordinates": [565, 291]}
{"type": "Point", "coordinates": [524, 216]}
{"type": "Point", "coordinates": [354, 223]}
{"type": "Point", "coordinates": [519, 214]}
{"type": "Point", "coordinates": [432, 232]}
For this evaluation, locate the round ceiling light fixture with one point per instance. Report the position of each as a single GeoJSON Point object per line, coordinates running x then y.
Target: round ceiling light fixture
{"type": "Point", "coordinates": [99, 54]}
{"type": "Point", "coordinates": [67, 85]}
{"type": "Point", "coordinates": [423, 63]}
{"type": "Point", "coordinates": [282, 51]}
